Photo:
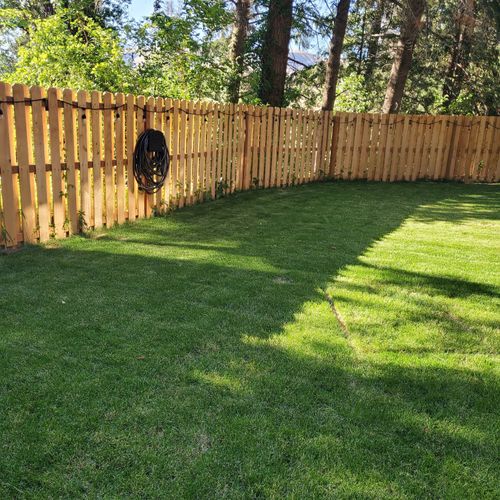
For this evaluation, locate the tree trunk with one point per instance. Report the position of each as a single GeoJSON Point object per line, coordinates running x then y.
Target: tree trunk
{"type": "Point", "coordinates": [335, 51]}
{"type": "Point", "coordinates": [274, 56]}
{"type": "Point", "coordinates": [46, 8]}
{"type": "Point", "coordinates": [362, 42]}
{"type": "Point", "coordinates": [374, 38]}
{"type": "Point", "coordinates": [240, 31]}
{"type": "Point", "coordinates": [413, 11]}
{"type": "Point", "coordinates": [460, 54]}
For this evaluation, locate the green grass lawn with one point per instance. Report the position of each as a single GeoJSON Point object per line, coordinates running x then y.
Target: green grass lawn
{"type": "Point", "coordinates": [331, 340]}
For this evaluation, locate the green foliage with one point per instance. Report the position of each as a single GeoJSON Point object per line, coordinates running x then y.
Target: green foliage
{"type": "Point", "coordinates": [72, 52]}
{"type": "Point", "coordinates": [13, 23]}
{"type": "Point", "coordinates": [182, 51]}
{"type": "Point", "coordinates": [14, 18]}
{"type": "Point", "coordinates": [363, 80]}
{"type": "Point", "coordinates": [183, 55]}
{"type": "Point", "coordinates": [304, 88]}
{"type": "Point", "coordinates": [353, 95]}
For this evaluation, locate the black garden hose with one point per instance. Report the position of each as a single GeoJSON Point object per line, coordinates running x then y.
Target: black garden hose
{"type": "Point", "coordinates": [151, 161]}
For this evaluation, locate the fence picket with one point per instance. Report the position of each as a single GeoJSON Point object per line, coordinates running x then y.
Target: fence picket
{"type": "Point", "coordinates": [424, 168]}
{"type": "Point", "coordinates": [167, 130]}
{"type": "Point", "coordinates": [335, 134]}
{"type": "Point", "coordinates": [293, 148]}
{"type": "Point", "coordinates": [403, 150]}
{"type": "Point", "coordinates": [189, 150]}
{"type": "Point", "coordinates": [130, 144]}
{"type": "Point", "coordinates": [195, 152]}
{"type": "Point", "coordinates": [25, 159]}
{"type": "Point", "coordinates": [236, 143]}
{"type": "Point", "coordinates": [214, 142]}
{"type": "Point", "coordinates": [261, 166]}
{"type": "Point", "coordinates": [396, 150]}
{"type": "Point", "coordinates": [463, 138]}
{"type": "Point", "coordinates": [469, 151]}
{"type": "Point", "coordinates": [254, 175]}
{"type": "Point", "coordinates": [323, 157]}
{"type": "Point", "coordinates": [356, 146]}
{"type": "Point", "coordinates": [56, 152]}
{"type": "Point", "coordinates": [306, 145]}
{"type": "Point", "coordinates": [349, 145]}
{"type": "Point", "coordinates": [495, 172]}
{"type": "Point", "coordinates": [418, 152]}
{"type": "Point", "coordinates": [242, 127]}
{"type": "Point", "coordinates": [451, 150]}
{"type": "Point", "coordinates": [372, 161]}
{"type": "Point", "coordinates": [382, 140]}
{"type": "Point", "coordinates": [274, 145]}
{"type": "Point", "coordinates": [389, 147]}
{"type": "Point", "coordinates": [70, 142]}
{"type": "Point", "coordinates": [366, 146]}
{"type": "Point", "coordinates": [10, 228]}
{"type": "Point", "coordinates": [444, 148]}
{"type": "Point", "coordinates": [96, 157]}
{"type": "Point", "coordinates": [149, 124]}
{"type": "Point", "coordinates": [109, 184]}
{"type": "Point", "coordinates": [434, 143]}
{"type": "Point", "coordinates": [299, 147]}
{"type": "Point", "coordinates": [174, 153]}
{"type": "Point", "coordinates": [226, 160]}
{"type": "Point", "coordinates": [286, 149]}
{"type": "Point", "coordinates": [247, 157]}
{"type": "Point", "coordinates": [266, 145]}
{"type": "Point", "coordinates": [140, 120]}
{"type": "Point", "coordinates": [41, 159]}
{"type": "Point", "coordinates": [439, 147]}
{"type": "Point", "coordinates": [182, 152]}
{"type": "Point", "coordinates": [477, 148]}
{"type": "Point", "coordinates": [487, 150]}
{"type": "Point", "coordinates": [198, 149]}
{"type": "Point", "coordinates": [341, 145]}
{"type": "Point", "coordinates": [83, 154]}
{"type": "Point", "coordinates": [120, 155]}
{"type": "Point", "coordinates": [159, 115]}
{"type": "Point", "coordinates": [203, 151]}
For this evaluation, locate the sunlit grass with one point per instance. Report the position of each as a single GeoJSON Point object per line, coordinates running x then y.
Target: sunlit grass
{"type": "Point", "coordinates": [198, 356]}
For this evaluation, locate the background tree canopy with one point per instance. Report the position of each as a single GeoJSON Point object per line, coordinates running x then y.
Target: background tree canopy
{"type": "Point", "coordinates": [413, 56]}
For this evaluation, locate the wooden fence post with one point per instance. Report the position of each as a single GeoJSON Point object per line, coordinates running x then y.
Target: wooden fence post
{"type": "Point", "coordinates": [245, 166]}
{"type": "Point", "coordinates": [96, 156]}
{"type": "Point", "coordinates": [70, 144]}
{"type": "Point", "coordinates": [120, 153]}
{"type": "Point", "coordinates": [334, 146]}
{"type": "Point", "coordinates": [83, 152]}
{"type": "Point", "coordinates": [9, 226]}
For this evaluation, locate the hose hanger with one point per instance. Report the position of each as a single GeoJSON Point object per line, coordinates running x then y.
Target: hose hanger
{"type": "Point", "coordinates": [151, 161]}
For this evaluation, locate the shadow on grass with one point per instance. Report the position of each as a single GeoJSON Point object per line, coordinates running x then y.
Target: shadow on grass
{"type": "Point", "coordinates": [466, 206]}
{"type": "Point", "coordinates": [195, 356]}
{"type": "Point", "coordinates": [439, 285]}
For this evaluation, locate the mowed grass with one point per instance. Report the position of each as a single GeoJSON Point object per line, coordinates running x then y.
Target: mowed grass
{"type": "Point", "coordinates": [324, 341]}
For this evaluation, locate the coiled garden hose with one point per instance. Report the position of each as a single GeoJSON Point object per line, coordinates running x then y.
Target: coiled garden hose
{"type": "Point", "coordinates": [151, 161]}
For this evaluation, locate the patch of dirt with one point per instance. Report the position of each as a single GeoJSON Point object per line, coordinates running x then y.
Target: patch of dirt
{"type": "Point", "coordinates": [282, 280]}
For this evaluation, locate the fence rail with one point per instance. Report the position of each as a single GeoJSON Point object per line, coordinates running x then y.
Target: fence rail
{"type": "Point", "coordinates": [51, 140]}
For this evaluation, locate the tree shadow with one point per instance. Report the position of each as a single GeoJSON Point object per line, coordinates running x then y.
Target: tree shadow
{"type": "Point", "coordinates": [195, 356]}
{"type": "Point", "coordinates": [468, 205]}
{"type": "Point", "coordinates": [439, 285]}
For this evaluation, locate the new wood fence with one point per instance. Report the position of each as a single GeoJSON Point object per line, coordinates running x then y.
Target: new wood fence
{"type": "Point", "coordinates": [65, 156]}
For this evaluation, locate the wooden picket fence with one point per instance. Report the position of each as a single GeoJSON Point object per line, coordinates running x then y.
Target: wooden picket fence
{"type": "Point", "coordinates": [65, 156]}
